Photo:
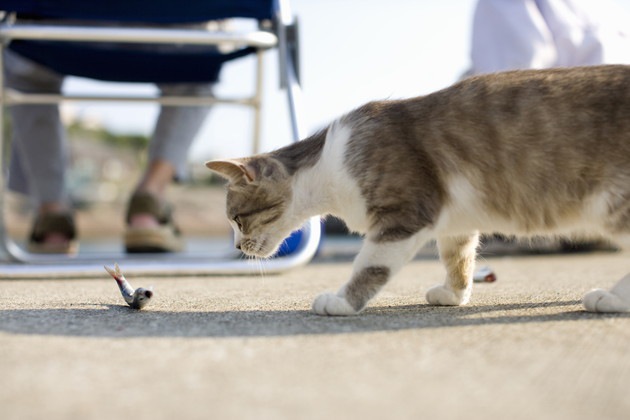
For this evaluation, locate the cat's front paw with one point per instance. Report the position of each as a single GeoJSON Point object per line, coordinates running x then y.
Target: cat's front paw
{"type": "Point", "coordinates": [440, 295]}
{"type": "Point", "coordinates": [600, 300]}
{"type": "Point", "coordinates": [331, 304]}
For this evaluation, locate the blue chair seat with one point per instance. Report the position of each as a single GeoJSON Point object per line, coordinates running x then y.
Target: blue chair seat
{"type": "Point", "coordinates": [128, 64]}
{"type": "Point", "coordinates": [147, 11]}
{"type": "Point", "coordinates": [133, 63]}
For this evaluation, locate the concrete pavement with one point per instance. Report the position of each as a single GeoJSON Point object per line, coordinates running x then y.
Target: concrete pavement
{"type": "Point", "coordinates": [249, 348]}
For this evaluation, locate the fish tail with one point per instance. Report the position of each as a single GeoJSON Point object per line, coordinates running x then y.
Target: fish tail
{"type": "Point", "coordinates": [114, 272]}
{"type": "Point", "coordinates": [125, 288]}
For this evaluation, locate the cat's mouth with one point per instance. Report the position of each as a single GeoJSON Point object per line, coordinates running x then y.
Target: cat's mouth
{"type": "Point", "coordinates": [257, 248]}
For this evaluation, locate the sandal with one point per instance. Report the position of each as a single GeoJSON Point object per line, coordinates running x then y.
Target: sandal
{"type": "Point", "coordinates": [53, 223]}
{"type": "Point", "coordinates": [163, 238]}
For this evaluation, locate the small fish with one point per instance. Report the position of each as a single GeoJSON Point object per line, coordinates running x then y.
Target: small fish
{"type": "Point", "coordinates": [138, 298]}
{"type": "Point", "coordinates": [484, 275]}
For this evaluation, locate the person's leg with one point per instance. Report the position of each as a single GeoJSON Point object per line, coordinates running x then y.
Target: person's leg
{"type": "Point", "coordinates": [177, 127]}
{"type": "Point", "coordinates": [175, 130]}
{"type": "Point", "coordinates": [39, 154]}
{"type": "Point", "coordinates": [39, 144]}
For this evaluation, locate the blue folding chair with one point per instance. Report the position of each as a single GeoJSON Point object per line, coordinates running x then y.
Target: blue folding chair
{"type": "Point", "coordinates": [46, 32]}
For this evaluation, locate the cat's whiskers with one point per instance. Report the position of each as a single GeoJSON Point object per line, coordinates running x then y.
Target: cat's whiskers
{"type": "Point", "coordinates": [261, 266]}
{"type": "Point", "coordinates": [259, 262]}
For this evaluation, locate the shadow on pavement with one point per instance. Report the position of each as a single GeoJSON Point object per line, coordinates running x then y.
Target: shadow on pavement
{"type": "Point", "coordinates": [120, 321]}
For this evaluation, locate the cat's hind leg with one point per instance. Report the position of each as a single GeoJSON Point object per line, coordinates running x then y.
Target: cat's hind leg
{"type": "Point", "coordinates": [458, 254]}
{"type": "Point", "coordinates": [615, 300]}
{"type": "Point", "coordinates": [372, 268]}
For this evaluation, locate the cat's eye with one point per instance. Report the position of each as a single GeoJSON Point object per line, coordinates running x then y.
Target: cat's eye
{"type": "Point", "coordinates": [237, 220]}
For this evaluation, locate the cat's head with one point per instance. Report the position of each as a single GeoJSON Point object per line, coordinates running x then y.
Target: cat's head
{"type": "Point", "coordinates": [258, 195]}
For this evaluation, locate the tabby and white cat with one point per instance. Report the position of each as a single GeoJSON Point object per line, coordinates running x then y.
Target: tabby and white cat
{"type": "Point", "coordinates": [526, 153]}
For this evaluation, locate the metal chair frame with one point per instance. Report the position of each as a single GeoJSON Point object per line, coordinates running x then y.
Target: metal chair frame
{"type": "Point", "coordinates": [283, 36]}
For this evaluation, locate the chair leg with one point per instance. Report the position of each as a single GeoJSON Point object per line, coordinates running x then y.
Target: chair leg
{"type": "Point", "coordinates": [311, 235]}
{"type": "Point", "coordinates": [4, 247]}
{"type": "Point", "coordinates": [257, 101]}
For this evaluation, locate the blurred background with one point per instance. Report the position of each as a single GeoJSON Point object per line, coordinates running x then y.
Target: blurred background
{"type": "Point", "coordinates": [352, 51]}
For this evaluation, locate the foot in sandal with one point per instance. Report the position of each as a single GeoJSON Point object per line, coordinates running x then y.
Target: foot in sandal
{"type": "Point", "coordinates": [150, 226]}
{"type": "Point", "coordinates": [54, 233]}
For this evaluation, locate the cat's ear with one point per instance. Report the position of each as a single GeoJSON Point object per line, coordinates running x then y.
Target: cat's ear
{"type": "Point", "coordinates": [234, 170]}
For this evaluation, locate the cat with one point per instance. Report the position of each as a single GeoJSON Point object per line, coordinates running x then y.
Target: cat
{"type": "Point", "coordinates": [525, 153]}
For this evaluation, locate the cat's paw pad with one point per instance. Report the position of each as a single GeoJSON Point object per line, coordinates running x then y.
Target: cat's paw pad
{"type": "Point", "coordinates": [331, 304]}
{"type": "Point", "coordinates": [600, 300]}
{"type": "Point", "coordinates": [440, 295]}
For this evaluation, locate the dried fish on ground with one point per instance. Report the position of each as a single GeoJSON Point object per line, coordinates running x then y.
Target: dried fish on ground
{"type": "Point", "coordinates": [484, 275]}
{"type": "Point", "coordinates": [136, 299]}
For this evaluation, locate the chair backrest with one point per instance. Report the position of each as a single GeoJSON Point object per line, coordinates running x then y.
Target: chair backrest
{"type": "Point", "coordinates": [154, 11]}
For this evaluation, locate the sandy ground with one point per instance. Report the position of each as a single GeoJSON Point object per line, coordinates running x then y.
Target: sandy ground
{"type": "Point", "coordinates": [249, 347]}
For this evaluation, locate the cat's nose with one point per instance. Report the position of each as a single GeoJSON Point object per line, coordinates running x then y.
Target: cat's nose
{"type": "Point", "coordinates": [238, 245]}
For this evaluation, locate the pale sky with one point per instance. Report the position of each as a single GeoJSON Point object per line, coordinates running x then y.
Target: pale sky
{"type": "Point", "coordinates": [353, 51]}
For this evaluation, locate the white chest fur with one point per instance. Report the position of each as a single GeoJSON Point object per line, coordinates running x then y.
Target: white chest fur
{"type": "Point", "coordinates": [328, 188]}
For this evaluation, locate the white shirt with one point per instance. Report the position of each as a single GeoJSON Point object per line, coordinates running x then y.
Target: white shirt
{"type": "Point", "coordinates": [520, 34]}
